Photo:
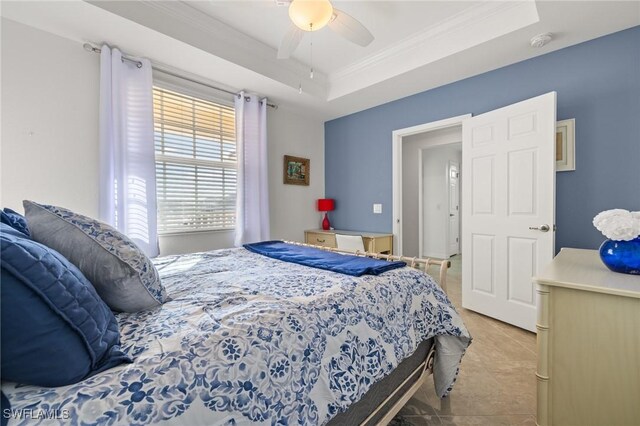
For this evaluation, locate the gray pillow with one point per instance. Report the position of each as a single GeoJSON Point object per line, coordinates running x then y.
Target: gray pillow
{"type": "Point", "coordinates": [124, 277]}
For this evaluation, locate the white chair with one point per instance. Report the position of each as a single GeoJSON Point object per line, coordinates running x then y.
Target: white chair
{"type": "Point", "coordinates": [350, 242]}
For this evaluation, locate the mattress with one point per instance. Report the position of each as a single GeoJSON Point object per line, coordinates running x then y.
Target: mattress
{"type": "Point", "coordinates": [376, 395]}
{"type": "Point", "coordinates": [247, 339]}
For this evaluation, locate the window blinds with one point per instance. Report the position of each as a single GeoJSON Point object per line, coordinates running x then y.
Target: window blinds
{"type": "Point", "coordinates": [195, 143]}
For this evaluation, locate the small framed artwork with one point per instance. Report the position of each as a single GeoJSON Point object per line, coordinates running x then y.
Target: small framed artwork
{"type": "Point", "coordinates": [566, 145]}
{"type": "Point", "coordinates": [296, 170]}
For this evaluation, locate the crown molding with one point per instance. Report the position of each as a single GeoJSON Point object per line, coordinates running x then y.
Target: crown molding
{"type": "Point", "coordinates": [477, 12]}
{"type": "Point", "coordinates": [472, 26]}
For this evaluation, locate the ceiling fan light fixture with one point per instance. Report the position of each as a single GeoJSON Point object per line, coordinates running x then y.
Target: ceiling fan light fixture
{"type": "Point", "coordinates": [310, 15]}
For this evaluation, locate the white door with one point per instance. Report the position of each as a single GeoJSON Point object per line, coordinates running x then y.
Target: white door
{"type": "Point", "coordinates": [508, 190]}
{"type": "Point", "coordinates": [454, 208]}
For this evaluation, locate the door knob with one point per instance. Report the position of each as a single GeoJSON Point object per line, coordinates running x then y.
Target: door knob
{"type": "Point", "coordinates": [542, 228]}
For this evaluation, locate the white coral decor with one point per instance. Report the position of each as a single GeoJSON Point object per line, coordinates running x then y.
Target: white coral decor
{"type": "Point", "coordinates": [618, 224]}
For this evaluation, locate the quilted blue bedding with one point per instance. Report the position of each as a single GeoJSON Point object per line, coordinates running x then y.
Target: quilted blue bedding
{"type": "Point", "coordinates": [251, 340]}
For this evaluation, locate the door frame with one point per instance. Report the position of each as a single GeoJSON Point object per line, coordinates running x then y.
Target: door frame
{"type": "Point", "coordinates": [459, 187]}
{"type": "Point", "coordinates": [396, 144]}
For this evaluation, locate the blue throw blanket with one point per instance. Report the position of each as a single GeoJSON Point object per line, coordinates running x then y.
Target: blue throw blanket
{"type": "Point", "coordinates": [322, 259]}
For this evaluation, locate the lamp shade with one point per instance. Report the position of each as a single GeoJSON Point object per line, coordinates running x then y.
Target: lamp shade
{"type": "Point", "coordinates": [326, 204]}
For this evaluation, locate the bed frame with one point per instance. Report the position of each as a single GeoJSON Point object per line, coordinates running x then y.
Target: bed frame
{"type": "Point", "coordinates": [425, 369]}
{"type": "Point", "coordinates": [414, 262]}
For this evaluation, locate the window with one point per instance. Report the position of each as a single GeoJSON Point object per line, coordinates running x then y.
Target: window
{"type": "Point", "coordinates": [195, 143]}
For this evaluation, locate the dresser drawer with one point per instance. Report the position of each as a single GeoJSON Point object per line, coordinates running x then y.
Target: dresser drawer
{"type": "Point", "coordinates": [320, 239]}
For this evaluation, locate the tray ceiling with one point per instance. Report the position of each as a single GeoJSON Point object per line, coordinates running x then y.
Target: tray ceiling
{"type": "Point", "coordinates": [418, 44]}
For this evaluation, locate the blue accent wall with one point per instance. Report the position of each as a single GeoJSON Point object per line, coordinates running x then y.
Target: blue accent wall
{"type": "Point", "coordinates": [598, 84]}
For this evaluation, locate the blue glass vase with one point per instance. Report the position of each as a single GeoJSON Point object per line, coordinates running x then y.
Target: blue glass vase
{"type": "Point", "coordinates": [621, 256]}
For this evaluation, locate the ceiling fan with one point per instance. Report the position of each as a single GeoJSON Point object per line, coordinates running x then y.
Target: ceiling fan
{"type": "Point", "coordinates": [312, 15]}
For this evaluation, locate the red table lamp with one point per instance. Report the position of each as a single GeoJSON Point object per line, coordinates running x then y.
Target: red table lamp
{"type": "Point", "coordinates": [326, 205]}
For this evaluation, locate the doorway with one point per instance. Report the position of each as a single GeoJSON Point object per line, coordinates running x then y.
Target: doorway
{"type": "Point", "coordinates": [507, 204]}
{"type": "Point", "coordinates": [414, 198]}
{"type": "Point", "coordinates": [439, 197]}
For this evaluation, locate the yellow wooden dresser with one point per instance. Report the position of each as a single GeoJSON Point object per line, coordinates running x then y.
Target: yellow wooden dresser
{"type": "Point", "coordinates": [373, 242]}
{"type": "Point", "coordinates": [588, 369]}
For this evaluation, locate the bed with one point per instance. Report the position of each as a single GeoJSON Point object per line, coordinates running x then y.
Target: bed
{"type": "Point", "coordinates": [251, 340]}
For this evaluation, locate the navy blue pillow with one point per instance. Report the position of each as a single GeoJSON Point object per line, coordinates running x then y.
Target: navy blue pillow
{"type": "Point", "coordinates": [15, 220]}
{"type": "Point", "coordinates": [55, 328]}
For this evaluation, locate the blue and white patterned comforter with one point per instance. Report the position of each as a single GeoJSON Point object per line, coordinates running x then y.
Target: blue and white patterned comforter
{"type": "Point", "coordinates": [249, 339]}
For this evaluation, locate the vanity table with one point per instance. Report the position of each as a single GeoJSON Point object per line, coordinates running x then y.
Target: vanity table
{"type": "Point", "coordinates": [373, 242]}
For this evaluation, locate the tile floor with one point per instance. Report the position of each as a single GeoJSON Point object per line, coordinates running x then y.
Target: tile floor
{"type": "Point", "coordinates": [497, 383]}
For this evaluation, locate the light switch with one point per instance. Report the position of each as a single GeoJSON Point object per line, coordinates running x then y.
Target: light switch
{"type": "Point", "coordinates": [377, 208]}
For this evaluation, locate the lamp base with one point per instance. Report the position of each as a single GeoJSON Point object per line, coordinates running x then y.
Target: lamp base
{"type": "Point", "coordinates": [326, 225]}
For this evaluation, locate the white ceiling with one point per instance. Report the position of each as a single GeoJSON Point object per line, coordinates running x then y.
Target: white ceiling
{"type": "Point", "coordinates": [419, 45]}
{"type": "Point", "coordinates": [389, 21]}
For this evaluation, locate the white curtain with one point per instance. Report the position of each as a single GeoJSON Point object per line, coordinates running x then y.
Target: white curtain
{"type": "Point", "coordinates": [127, 156]}
{"type": "Point", "coordinates": [252, 204]}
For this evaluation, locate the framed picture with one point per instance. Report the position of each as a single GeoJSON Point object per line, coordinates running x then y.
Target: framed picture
{"type": "Point", "coordinates": [566, 145]}
{"type": "Point", "coordinates": [296, 170]}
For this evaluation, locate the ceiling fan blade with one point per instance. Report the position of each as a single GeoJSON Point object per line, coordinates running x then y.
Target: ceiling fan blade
{"type": "Point", "coordinates": [350, 28]}
{"type": "Point", "coordinates": [290, 42]}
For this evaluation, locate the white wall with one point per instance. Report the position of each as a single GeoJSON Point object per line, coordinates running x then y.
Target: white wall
{"type": "Point", "coordinates": [293, 207]}
{"type": "Point", "coordinates": [411, 177]}
{"type": "Point", "coordinates": [50, 120]}
{"type": "Point", "coordinates": [49, 139]}
{"type": "Point", "coordinates": [435, 206]}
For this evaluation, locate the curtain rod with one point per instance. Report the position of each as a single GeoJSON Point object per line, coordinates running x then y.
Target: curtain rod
{"type": "Point", "coordinates": [89, 48]}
